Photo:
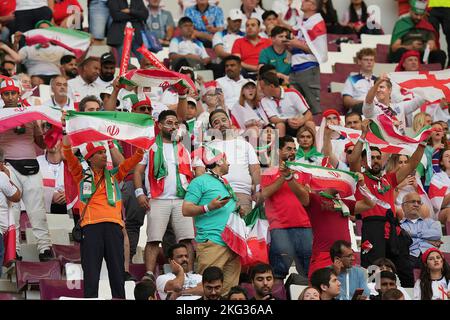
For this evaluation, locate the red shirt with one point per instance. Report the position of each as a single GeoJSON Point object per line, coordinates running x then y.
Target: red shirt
{"type": "Point", "coordinates": [388, 197]}
{"type": "Point", "coordinates": [62, 10]}
{"type": "Point", "coordinates": [250, 53]}
{"type": "Point", "coordinates": [283, 209]}
{"type": "Point", "coordinates": [328, 225]}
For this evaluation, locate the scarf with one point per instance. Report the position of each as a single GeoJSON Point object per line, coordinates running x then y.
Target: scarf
{"type": "Point", "coordinates": [382, 188]}
{"type": "Point", "coordinates": [227, 186]}
{"type": "Point", "coordinates": [405, 24]}
{"type": "Point", "coordinates": [339, 205]}
{"type": "Point", "coordinates": [158, 170]}
{"type": "Point", "coordinates": [310, 155]}
{"type": "Point", "coordinates": [88, 186]}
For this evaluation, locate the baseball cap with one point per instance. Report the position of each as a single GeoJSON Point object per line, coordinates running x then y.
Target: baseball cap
{"type": "Point", "coordinates": [419, 6]}
{"type": "Point", "coordinates": [235, 14]}
{"type": "Point", "coordinates": [192, 100]}
{"type": "Point", "coordinates": [107, 57]}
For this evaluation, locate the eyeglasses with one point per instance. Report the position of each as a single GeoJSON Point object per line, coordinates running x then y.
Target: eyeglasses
{"type": "Point", "coordinates": [419, 202]}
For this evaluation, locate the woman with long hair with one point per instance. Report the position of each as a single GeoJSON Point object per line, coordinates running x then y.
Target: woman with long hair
{"type": "Point", "coordinates": [434, 277]}
{"type": "Point", "coordinates": [309, 293]}
{"type": "Point", "coordinates": [307, 152]}
{"type": "Point", "coordinates": [356, 19]}
{"type": "Point", "coordinates": [421, 120]}
{"type": "Point", "coordinates": [438, 143]}
{"type": "Point", "coordinates": [439, 180]}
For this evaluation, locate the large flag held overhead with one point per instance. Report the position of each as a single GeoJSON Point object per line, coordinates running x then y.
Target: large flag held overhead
{"type": "Point", "coordinates": [439, 188]}
{"type": "Point", "coordinates": [14, 117]}
{"type": "Point", "coordinates": [75, 41]}
{"type": "Point", "coordinates": [321, 178]}
{"type": "Point", "coordinates": [156, 78]}
{"type": "Point", "coordinates": [133, 128]}
{"type": "Point", "coordinates": [314, 31]}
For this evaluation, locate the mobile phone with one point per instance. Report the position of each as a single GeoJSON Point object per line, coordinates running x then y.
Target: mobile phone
{"type": "Point", "coordinates": [219, 91]}
{"type": "Point", "coordinates": [225, 198]}
{"type": "Point", "coordinates": [358, 292]}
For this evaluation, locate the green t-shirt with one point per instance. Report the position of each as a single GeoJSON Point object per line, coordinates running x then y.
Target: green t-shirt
{"type": "Point", "coordinates": [280, 61]}
{"type": "Point", "coordinates": [209, 226]}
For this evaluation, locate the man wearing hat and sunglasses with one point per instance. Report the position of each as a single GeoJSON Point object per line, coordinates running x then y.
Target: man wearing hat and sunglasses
{"type": "Point", "coordinates": [107, 69]}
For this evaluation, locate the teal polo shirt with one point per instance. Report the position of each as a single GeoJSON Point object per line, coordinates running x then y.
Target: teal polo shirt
{"type": "Point", "coordinates": [280, 61]}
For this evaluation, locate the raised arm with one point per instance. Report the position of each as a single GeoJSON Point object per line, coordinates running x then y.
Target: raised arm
{"type": "Point", "coordinates": [412, 164]}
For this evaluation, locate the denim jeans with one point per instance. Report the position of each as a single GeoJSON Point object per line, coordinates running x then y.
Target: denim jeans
{"type": "Point", "coordinates": [287, 245]}
{"type": "Point", "coordinates": [99, 18]}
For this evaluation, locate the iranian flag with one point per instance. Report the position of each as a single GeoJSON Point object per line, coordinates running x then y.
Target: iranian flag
{"type": "Point", "coordinates": [321, 178]}
{"type": "Point", "coordinates": [9, 241]}
{"type": "Point", "coordinates": [75, 41]}
{"type": "Point", "coordinates": [258, 239]}
{"type": "Point", "coordinates": [14, 117]}
{"type": "Point", "coordinates": [235, 234]}
{"type": "Point", "coordinates": [438, 190]}
{"type": "Point", "coordinates": [133, 128]}
{"type": "Point", "coordinates": [157, 78]}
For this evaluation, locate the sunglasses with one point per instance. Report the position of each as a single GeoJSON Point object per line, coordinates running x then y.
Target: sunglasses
{"type": "Point", "coordinates": [142, 109]}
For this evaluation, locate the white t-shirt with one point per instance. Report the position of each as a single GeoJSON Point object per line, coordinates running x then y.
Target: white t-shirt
{"type": "Point", "coordinates": [240, 154]}
{"type": "Point", "coordinates": [79, 89]}
{"type": "Point", "coordinates": [43, 61]}
{"type": "Point", "coordinates": [290, 105]}
{"type": "Point", "coordinates": [357, 86]}
{"type": "Point", "coordinates": [231, 90]}
{"type": "Point", "coordinates": [183, 46]}
{"type": "Point", "coordinates": [53, 179]}
{"type": "Point", "coordinates": [191, 280]}
{"type": "Point", "coordinates": [226, 39]}
{"type": "Point", "coordinates": [52, 103]}
{"type": "Point", "coordinates": [6, 190]}
{"type": "Point", "coordinates": [439, 288]}
{"type": "Point", "coordinates": [30, 4]}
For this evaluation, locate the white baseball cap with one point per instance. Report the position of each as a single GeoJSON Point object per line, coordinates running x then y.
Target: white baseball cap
{"type": "Point", "coordinates": [235, 14]}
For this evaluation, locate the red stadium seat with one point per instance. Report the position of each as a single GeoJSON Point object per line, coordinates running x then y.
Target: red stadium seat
{"type": "Point", "coordinates": [54, 289]}
{"type": "Point", "coordinates": [447, 229]}
{"type": "Point", "coordinates": [31, 272]}
{"type": "Point", "coordinates": [317, 119]}
{"type": "Point", "coordinates": [66, 254]}
{"type": "Point", "coordinates": [325, 80]}
{"type": "Point", "coordinates": [333, 39]}
{"type": "Point", "coordinates": [137, 270]}
{"type": "Point", "coordinates": [382, 53]}
{"type": "Point", "coordinates": [343, 70]}
{"type": "Point", "coordinates": [332, 100]}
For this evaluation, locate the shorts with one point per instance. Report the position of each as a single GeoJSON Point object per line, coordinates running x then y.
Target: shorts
{"type": "Point", "coordinates": [99, 18]}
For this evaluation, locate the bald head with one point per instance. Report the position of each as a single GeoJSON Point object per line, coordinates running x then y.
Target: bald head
{"type": "Point", "coordinates": [411, 205]}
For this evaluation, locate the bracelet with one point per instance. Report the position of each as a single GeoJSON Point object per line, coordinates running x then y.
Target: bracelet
{"type": "Point", "coordinates": [182, 96]}
{"type": "Point", "coordinates": [139, 192]}
{"type": "Point", "coordinates": [205, 208]}
{"type": "Point", "coordinates": [289, 177]}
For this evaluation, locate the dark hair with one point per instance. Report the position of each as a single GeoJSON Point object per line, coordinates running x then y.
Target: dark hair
{"type": "Point", "coordinates": [283, 140]}
{"type": "Point", "coordinates": [336, 248]}
{"type": "Point", "coordinates": [392, 294]}
{"type": "Point", "coordinates": [212, 274]}
{"type": "Point", "coordinates": [173, 248]}
{"type": "Point", "coordinates": [7, 61]}
{"type": "Point", "coordinates": [269, 13]}
{"type": "Point", "coordinates": [257, 20]}
{"type": "Point", "coordinates": [388, 275]}
{"type": "Point", "coordinates": [266, 68]}
{"type": "Point", "coordinates": [237, 290]}
{"type": "Point", "coordinates": [164, 114]}
{"type": "Point", "coordinates": [321, 277]}
{"type": "Point", "coordinates": [260, 268]}
{"type": "Point", "coordinates": [351, 114]}
{"type": "Point", "coordinates": [426, 291]}
{"type": "Point", "coordinates": [89, 60]}
{"type": "Point", "coordinates": [184, 20]}
{"type": "Point", "coordinates": [270, 78]}
{"type": "Point", "coordinates": [442, 157]}
{"type": "Point", "coordinates": [385, 262]}
{"type": "Point", "coordinates": [85, 100]}
{"type": "Point", "coordinates": [331, 15]}
{"type": "Point", "coordinates": [278, 30]}
{"type": "Point", "coordinates": [66, 59]}
{"type": "Point", "coordinates": [215, 112]}
{"type": "Point", "coordinates": [230, 58]}
{"type": "Point", "coordinates": [372, 148]}
{"type": "Point", "coordinates": [144, 290]}
{"type": "Point", "coordinates": [354, 15]}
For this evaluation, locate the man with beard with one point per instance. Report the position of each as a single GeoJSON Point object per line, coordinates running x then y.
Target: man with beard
{"type": "Point", "coordinates": [181, 281]}
{"type": "Point", "coordinates": [378, 221]}
{"type": "Point", "coordinates": [231, 84]}
{"type": "Point", "coordinates": [261, 276]}
{"type": "Point", "coordinates": [68, 66]}
{"type": "Point", "coordinates": [107, 69]}
{"type": "Point", "coordinates": [60, 98]}
{"type": "Point", "coordinates": [166, 169]}
{"type": "Point", "coordinates": [212, 282]}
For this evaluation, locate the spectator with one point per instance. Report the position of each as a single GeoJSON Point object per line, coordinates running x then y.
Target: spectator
{"type": "Point", "coordinates": [290, 228]}
{"type": "Point", "coordinates": [440, 11]}
{"type": "Point", "coordinates": [358, 20]}
{"type": "Point", "coordinates": [86, 84]}
{"type": "Point", "coordinates": [68, 66]}
{"type": "Point", "coordinates": [307, 152]}
{"type": "Point", "coordinates": [350, 276]}
{"type": "Point", "coordinates": [330, 17]}
{"type": "Point", "coordinates": [305, 72]}
{"type": "Point", "coordinates": [223, 41]}
{"type": "Point", "coordinates": [213, 283]}
{"type": "Point", "coordinates": [410, 61]}
{"type": "Point", "coordinates": [393, 294]}
{"type": "Point", "coordinates": [357, 86]}
{"type": "Point", "coordinates": [27, 90]}
{"type": "Point", "coordinates": [250, 9]}
{"type": "Point", "coordinates": [414, 32]}
{"type": "Point", "coordinates": [270, 20]}
{"type": "Point", "coordinates": [19, 149]}
{"type": "Point", "coordinates": [99, 20]}
{"type": "Point", "coordinates": [51, 167]}
{"type": "Point", "coordinates": [8, 192]}
{"type": "Point", "coordinates": [261, 276]}
{"type": "Point", "coordinates": [385, 264]}
{"type": "Point", "coordinates": [60, 98]}
{"type": "Point", "coordinates": [9, 66]}
{"type": "Point", "coordinates": [122, 12]}
{"type": "Point", "coordinates": [443, 176]}
{"type": "Point", "coordinates": [286, 11]}
{"type": "Point", "coordinates": [28, 13]}
{"type": "Point", "coordinates": [231, 84]}
{"type": "Point", "coordinates": [67, 14]}
{"type": "Point", "coordinates": [421, 120]}
{"type": "Point", "coordinates": [309, 293]}
{"type": "Point", "coordinates": [185, 50]}
{"type": "Point", "coordinates": [353, 120]}
{"type": "Point", "coordinates": [249, 47]}
{"type": "Point", "coordinates": [101, 219]}
{"type": "Point", "coordinates": [211, 200]}
{"type": "Point", "coordinates": [207, 20]}
{"type": "Point", "coordinates": [437, 144]}
{"type": "Point", "coordinates": [387, 281]}
{"type": "Point", "coordinates": [166, 170]}
{"type": "Point", "coordinates": [145, 290]}
{"type": "Point", "coordinates": [237, 293]}
{"type": "Point", "coordinates": [160, 22]}
{"type": "Point", "coordinates": [277, 54]}
{"type": "Point", "coordinates": [107, 69]}
{"type": "Point", "coordinates": [326, 281]}
{"type": "Point", "coordinates": [285, 108]}
{"type": "Point", "coordinates": [181, 281]}
{"type": "Point", "coordinates": [90, 104]}
{"type": "Point", "coordinates": [7, 8]}
{"type": "Point", "coordinates": [244, 171]}
{"type": "Point", "coordinates": [434, 277]}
